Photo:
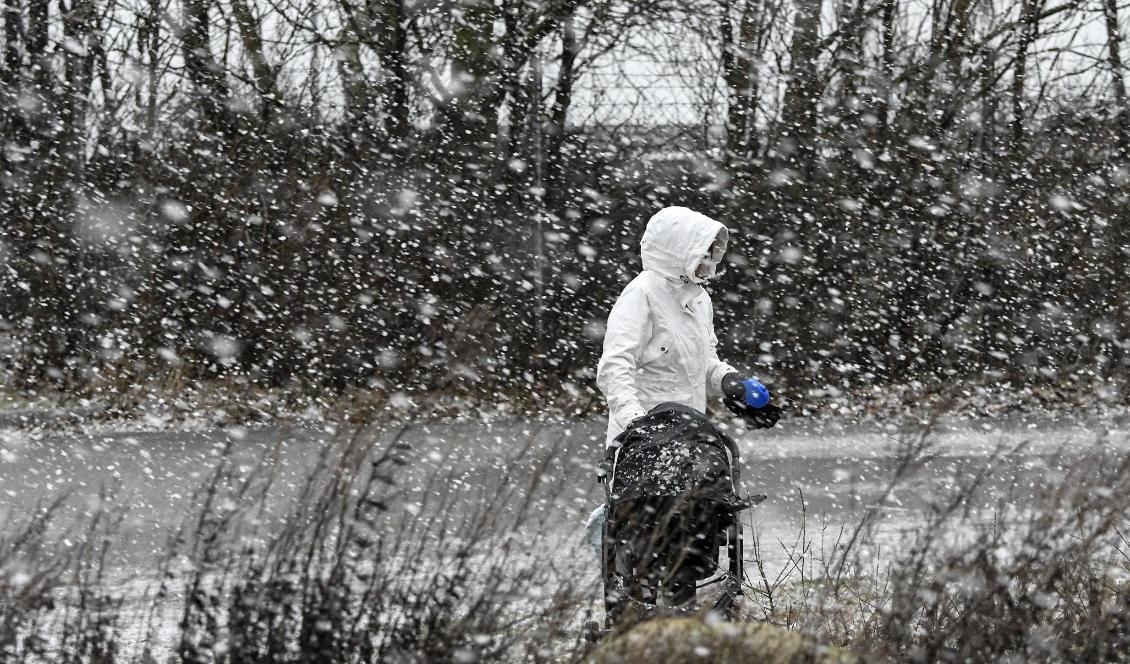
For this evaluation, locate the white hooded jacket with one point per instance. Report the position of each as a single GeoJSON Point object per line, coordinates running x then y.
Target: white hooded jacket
{"type": "Point", "coordinates": [660, 344]}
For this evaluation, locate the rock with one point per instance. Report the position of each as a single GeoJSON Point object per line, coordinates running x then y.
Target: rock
{"type": "Point", "coordinates": [680, 640]}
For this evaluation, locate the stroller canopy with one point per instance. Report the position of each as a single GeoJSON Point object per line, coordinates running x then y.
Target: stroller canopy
{"type": "Point", "coordinates": [674, 451]}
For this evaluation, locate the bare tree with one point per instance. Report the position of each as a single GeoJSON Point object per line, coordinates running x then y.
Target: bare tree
{"type": "Point", "coordinates": [206, 75]}
{"type": "Point", "coordinates": [393, 151]}
{"type": "Point", "coordinates": [393, 48]}
{"type": "Point", "coordinates": [1028, 29]}
{"type": "Point", "coordinates": [265, 75]}
{"type": "Point", "coordinates": [886, 74]}
{"type": "Point", "coordinates": [78, 66]}
{"type": "Point", "coordinates": [1118, 84]}
{"type": "Point", "coordinates": [37, 42]}
{"type": "Point", "coordinates": [741, 53]}
{"type": "Point", "coordinates": [557, 127]}
{"type": "Point", "coordinates": [798, 124]}
{"type": "Point", "coordinates": [13, 38]}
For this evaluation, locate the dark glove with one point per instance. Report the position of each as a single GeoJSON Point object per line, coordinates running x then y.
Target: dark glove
{"type": "Point", "coordinates": [755, 418]}
{"type": "Point", "coordinates": [749, 399]}
{"type": "Point", "coordinates": [746, 390]}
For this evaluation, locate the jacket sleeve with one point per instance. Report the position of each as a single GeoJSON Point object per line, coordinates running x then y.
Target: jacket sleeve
{"type": "Point", "coordinates": [629, 327]}
{"type": "Point", "coordinates": [716, 369]}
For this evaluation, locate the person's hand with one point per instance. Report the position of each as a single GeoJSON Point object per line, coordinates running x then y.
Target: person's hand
{"type": "Point", "coordinates": [732, 386]}
{"type": "Point", "coordinates": [746, 390]}
{"type": "Point", "coordinates": [764, 417]}
{"type": "Point", "coordinates": [634, 417]}
{"type": "Point", "coordinates": [754, 418]}
{"type": "Point", "coordinates": [749, 399]}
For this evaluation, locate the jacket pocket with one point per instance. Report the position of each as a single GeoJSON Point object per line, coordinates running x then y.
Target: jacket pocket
{"type": "Point", "coordinates": [657, 347]}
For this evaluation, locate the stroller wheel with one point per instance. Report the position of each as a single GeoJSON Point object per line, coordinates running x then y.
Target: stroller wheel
{"type": "Point", "coordinates": [613, 591]}
{"type": "Point", "coordinates": [591, 632]}
{"type": "Point", "coordinates": [726, 606]}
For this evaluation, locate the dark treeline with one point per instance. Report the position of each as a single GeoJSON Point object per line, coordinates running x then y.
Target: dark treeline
{"type": "Point", "coordinates": [445, 197]}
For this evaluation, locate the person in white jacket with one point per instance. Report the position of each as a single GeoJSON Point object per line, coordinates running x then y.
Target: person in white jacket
{"type": "Point", "coordinates": [660, 344]}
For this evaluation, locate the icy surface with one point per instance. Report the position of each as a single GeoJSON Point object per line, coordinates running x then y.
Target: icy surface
{"type": "Point", "coordinates": [838, 470]}
{"type": "Point", "coordinates": [822, 480]}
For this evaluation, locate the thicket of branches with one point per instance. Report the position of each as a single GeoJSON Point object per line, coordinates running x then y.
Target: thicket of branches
{"type": "Point", "coordinates": [446, 196]}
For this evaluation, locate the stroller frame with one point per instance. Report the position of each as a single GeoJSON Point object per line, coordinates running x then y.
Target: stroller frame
{"type": "Point", "coordinates": [620, 584]}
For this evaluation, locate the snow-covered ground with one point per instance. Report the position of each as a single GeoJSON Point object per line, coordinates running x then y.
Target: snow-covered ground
{"type": "Point", "coordinates": [839, 470]}
{"type": "Point", "coordinates": [841, 473]}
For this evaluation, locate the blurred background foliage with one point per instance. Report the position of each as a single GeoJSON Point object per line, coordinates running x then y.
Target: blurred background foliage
{"type": "Point", "coordinates": [442, 197]}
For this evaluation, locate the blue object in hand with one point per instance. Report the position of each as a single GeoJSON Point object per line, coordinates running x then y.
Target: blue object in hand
{"type": "Point", "coordinates": [755, 395]}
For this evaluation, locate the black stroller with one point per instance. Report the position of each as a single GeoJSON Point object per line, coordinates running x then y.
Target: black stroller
{"type": "Point", "coordinates": [672, 500]}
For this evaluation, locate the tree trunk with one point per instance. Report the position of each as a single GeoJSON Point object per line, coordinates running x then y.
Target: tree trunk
{"type": "Point", "coordinates": [376, 117]}
{"type": "Point", "coordinates": [203, 71]}
{"type": "Point", "coordinates": [357, 99]}
{"type": "Point", "coordinates": [555, 159]}
{"type": "Point", "coordinates": [263, 72]}
{"type": "Point", "coordinates": [12, 122]}
{"type": "Point", "coordinates": [742, 83]}
{"type": "Point", "coordinates": [392, 47]}
{"type": "Point", "coordinates": [851, 26]}
{"type": "Point", "coordinates": [77, 76]}
{"type": "Point", "coordinates": [987, 134]}
{"type": "Point", "coordinates": [933, 79]}
{"type": "Point", "coordinates": [37, 41]}
{"type": "Point", "coordinates": [800, 108]}
{"type": "Point", "coordinates": [153, 54]}
{"type": "Point", "coordinates": [469, 114]}
{"type": "Point", "coordinates": [1114, 57]}
{"type": "Point", "coordinates": [955, 35]}
{"type": "Point", "coordinates": [887, 16]}
{"type": "Point", "coordinates": [100, 61]}
{"type": "Point", "coordinates": [486, 69]}
{"type": "Point", "coordinates": [1029, 29]}
{"type": "Point", "coordinates": [13, 35]}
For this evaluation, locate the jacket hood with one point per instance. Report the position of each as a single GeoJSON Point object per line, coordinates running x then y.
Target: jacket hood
{"type": "Point", "coordinates": [675, 241]}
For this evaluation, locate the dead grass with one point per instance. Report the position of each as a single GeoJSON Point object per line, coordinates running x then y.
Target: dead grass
{"type": "Point", "coordinates": [349, 575]}
{"type": "Point", "coordinates": [1042, 579]}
